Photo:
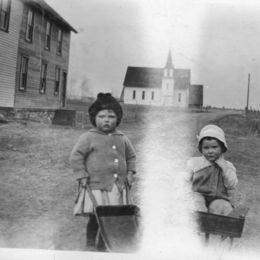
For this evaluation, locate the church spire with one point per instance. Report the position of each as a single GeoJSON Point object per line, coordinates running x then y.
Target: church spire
{"type": "Point", "coordinates": [169, 60]}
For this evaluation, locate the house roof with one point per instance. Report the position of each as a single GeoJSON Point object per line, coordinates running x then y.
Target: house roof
{"type": "Point", "coordinates": [144, 77]}
{"type": "Point", "coordinates": [41, 5]}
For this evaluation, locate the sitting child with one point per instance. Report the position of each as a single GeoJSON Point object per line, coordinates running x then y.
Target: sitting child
{"type": "Point", "coordinates": [211, 176]}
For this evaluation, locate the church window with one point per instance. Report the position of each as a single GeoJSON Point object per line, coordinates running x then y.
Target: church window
{"type": "Point", "coordinates": [179, 97]}
{"type": "Point", "coordinates": [134, 94]}
{"type": "Point", "coordinates": [143, 95]}
{"type": "Point", "coordinates": [152, 95]}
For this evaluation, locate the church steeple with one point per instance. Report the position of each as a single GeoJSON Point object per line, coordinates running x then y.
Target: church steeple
{"type": "Point", "coordinates": [169, 64]}
{"type": "Point", "coordinates": [169, 69]}
{"type": "Point", "coordinates": [168, 82]}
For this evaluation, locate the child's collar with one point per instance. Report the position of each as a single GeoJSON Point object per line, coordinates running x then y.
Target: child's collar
{"type": "Point", "coordinates": [116, 132]}
{"type": "Point", "coordinates": [199, 163]}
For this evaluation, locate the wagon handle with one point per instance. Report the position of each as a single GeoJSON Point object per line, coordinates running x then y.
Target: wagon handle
{"type": "Point", "coordinates": [92, 197]}
{"type": "Point", "coordinates": [87, 187]}
{"type": "Point", "coordinates": [95, 205]}
{"type": "Point", "coordinates": [128, 188]}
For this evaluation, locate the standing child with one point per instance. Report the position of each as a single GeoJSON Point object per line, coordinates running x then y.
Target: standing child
{"type": "Point", "coordinates": [104, 158]}
{"type": "Point", "coordinates": [212, 177]}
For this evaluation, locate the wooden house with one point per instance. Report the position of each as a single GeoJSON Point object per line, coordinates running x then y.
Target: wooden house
{"type": "Point", "coordinates": [166, 86]}
{"type": "Point", "coordinates": [34, 55]}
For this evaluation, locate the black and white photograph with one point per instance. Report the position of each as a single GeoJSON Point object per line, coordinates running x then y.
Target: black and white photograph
{"type": "Point", "coordinates": [129, 129]}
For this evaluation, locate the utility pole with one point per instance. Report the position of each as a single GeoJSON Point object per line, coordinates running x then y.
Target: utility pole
{"type": "Point", "coordinates": [248, 86]}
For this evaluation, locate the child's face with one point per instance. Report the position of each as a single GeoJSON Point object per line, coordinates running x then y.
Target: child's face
{"type": "Point", "coordinates": [106, 120]}
{"type": "Point", "coordinates": [211, 149]}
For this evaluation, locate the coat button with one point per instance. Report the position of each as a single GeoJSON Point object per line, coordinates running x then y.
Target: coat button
{"type": "Point", "coordinates": [114, 147]}
{"type": "Point", "coordinates": [116, 160]}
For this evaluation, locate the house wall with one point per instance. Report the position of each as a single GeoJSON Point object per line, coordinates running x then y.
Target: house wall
{"type": "Point", "coordinates": [8, 55]}
{"type": "Point", "coordinates": [128, 96]}
{"type": "Point", "coordinates": [36, 52]}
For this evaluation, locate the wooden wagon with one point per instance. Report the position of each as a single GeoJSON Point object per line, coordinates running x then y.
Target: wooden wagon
{"type": "Point", "coordinates": [226, 226]}
{"type": "Point", "coordinates": [117, 226]}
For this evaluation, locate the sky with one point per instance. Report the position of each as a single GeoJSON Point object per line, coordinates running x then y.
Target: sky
{"type": "Point", "coordinates": [218, 40]}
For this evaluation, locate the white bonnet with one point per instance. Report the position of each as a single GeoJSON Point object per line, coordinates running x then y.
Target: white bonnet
{"type": "Point", "coordinates": [213, 131]}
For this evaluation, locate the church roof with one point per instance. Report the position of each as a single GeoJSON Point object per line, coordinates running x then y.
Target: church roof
{"type": "Point", "coordinates": [144, 77]}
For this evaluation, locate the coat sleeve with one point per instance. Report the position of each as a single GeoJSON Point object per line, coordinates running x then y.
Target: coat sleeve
{"type": "Point", "coordinates": [229, 173]}
{"type": "Point", "coordinates": [230, 176]}
{"type": "Point", "coordinates": [130, 155]}
{"type": "Point", "coordinates": [78, 156]}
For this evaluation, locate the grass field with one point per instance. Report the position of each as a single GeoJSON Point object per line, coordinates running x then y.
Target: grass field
{"type": "Point", "coordinates": [38, 188]}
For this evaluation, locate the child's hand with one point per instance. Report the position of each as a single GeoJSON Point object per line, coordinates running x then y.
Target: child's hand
{"type": "Point", "coordinates": [84, 181]}
{"type": "Point", "coordinates": [228, 173]}
{"type": "Point", "coordinates": [130, 178]}
{"type": "Point", "coordinates": [221, 163]}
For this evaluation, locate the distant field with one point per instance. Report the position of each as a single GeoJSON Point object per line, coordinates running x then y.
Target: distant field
{"type": "Point", "coordinates": [38, 188]}
{"type": "Point", "coordinates": [136, 112]}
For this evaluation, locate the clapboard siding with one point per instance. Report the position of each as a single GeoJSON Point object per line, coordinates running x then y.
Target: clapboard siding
{"type": "Point", "coordinates": [8, 55]}
{"type": "Point", "coordinates": [37, 53]}
{"type": "Point", "coordinates": [13, 45]}
{"type": "Point", "coordinates": [31, 97]}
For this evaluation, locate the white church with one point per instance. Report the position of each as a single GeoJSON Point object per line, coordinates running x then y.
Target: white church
{"type": "Point", "coordinates": [166, 86]}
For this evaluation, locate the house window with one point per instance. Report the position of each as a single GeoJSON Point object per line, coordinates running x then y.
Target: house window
{"type": "Point", "coordinates": [171, 72]}
{"type": "Point", "coordinates": [48, 35]}
{"type": "Point", "coordinates": [59, 46]}
{"type": "Point", "coordinates": [5, 8]}
{"type": "Point", "coordinates": [29, 26]}
{"type": "Point", "coordinates": [43, 78]}
{"type": "Point", "coordinates": [57, 80]}
{"type": "Point", "coordinates": [152, 95]}
{"type": "Point", "coordinates": [179, 97]}
{"type": "Point", "coordinates": [134, 94]}
{"type": "Point", "coordinates": [143, 95]}
{"type": "Point", "coordinates": [23, 73]}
